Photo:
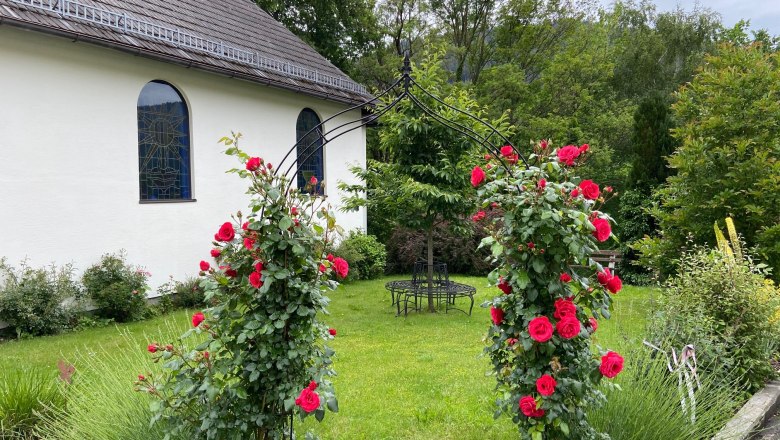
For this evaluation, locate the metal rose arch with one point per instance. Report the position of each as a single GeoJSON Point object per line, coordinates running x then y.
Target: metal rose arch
{"type": "Point", "coordinates": [405, 87]}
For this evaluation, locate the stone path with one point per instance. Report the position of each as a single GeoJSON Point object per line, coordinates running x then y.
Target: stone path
{"type": "Point", "coordinates": [772, 429]}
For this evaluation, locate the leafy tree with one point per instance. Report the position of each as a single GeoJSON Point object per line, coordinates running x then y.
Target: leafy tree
{"type": "Point", "coordinates": [467, 25]}
{"type": "Point", "coordinates": [652, 141]}
{"type": "Point", "coordinates": [426, 183]}
{"type": "Point", "coordinates": [727, 163]}
{"type": "Point", "coordinates": [341, 31]}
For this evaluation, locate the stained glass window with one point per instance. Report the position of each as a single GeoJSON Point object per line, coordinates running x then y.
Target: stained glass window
{"type": "Point", "coordinates": [310, 155]}
{"type": "Point", "coordinates": [163, 143]}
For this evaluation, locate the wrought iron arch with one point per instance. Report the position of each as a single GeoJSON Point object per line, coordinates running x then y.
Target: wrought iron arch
{"type": "Point", "coordinates": [404, 87]}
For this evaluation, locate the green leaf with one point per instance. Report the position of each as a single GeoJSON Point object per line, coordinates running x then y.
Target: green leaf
{"type": "Point", "coordinates": [285, 223]}
{"type": "Point", "coordinates": [289, 404]}
{"type": "Point", "coordinates": [333, 405]}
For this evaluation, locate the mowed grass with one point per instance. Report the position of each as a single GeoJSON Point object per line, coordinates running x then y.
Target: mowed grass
{"type": "Point", "coordinates": [420, 377]}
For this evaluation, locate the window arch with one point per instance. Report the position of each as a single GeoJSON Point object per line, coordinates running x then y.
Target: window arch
{"type": "Point", "coordinates": [309, 149]}
{"type": "Point", "coordinates": [163, 144]}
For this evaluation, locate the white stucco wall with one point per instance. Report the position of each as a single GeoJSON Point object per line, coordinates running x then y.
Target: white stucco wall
{"type": "Point", "coordinates": [69, 154]}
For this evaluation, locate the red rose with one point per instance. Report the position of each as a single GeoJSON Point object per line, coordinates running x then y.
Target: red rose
{"type": "Point", "coordinates": [590, 190]}
{"type": "Point", "coordinates": [614, 284]}
{"type": "Point", "coordinates": [531, 245]}
{"type": "Point", "coordinates": [540, 329]}
{"type": "Point", "coordinates": [269, 165]}
{"type": "Point", "coordinates": [313, 180]}
{"type": "Point", "coordinates": [528, 407]}
{"type": "Point", "coordinates": [583, 148]}
{"type": "Point", "coordinates": [294, 211]}
{"type": "Point", "coordinates": [565, 277]}
{"type": "Point", "coordinates": [611, 364]}
{"type": "Point", "coordinates": [575, 192]}
{"type": "Point", "coordinates": [330, 257]}
{"type": "Point", "coordinates": [564, 308]}
{"type": "Point", "coordinates": [169, 347]}
{"type": "Point", "coordinates": [322, 268]}
{"type": "Point", "coordinates": [152, 348]}
{"type": "Point", "coordinates": [259, 266]}
{"type": "Point", "coordinates": [141, 377]}
{"type": "Point", "coordinates": [507, 151]}
{"type": "Point", "coordinates": [341, 267]}
{"type": "Point", "coordinates": [226, 232]}
{"type": "Point", "coordinates": [594, 325]}
{"type": "Point", "coordinates": [215, 253]}
{"type": "Point", "coordinates": [608, 189]}
{"type": "Point", "coordinates": [232, 273]}
{"type": "Point", "coordinates": [512, 158]}
{"type": "Point", "coordinates": [604, 277]}
{"type": "Point", "coordinates": [546, 385]}
{"type": "Point", "coordinates": [332, 331]}
{"type": "Point", "coordinates": [308, 400]}
{"type": "Point", "coordinates": [256, 280]}
{"type": "Point", "coordinates": [543, 144]}
{"type": "Point", "coordinates": [511, 341]}
{"type": "Point", "coordinates": [477, 176]}
{"type": "Point", "coordinates": [245, 226]}
{"type": "Point", "coordinates": [204, 266]}
{"type": "Point", "coordinates": [478, 216]}
{"type": "Point", "coordinates": [197, 318]}
{"type": "Point", "coordinates": [568, 327]}
{"type": "Point", "coordinates": [253, 164]}
{"type": "Point", "coordinates": [249, 243]}
{"type": "Point", "coordinates": [567, 154]}
{"type": "Point", "coordinates": [542, 183]}
{"type": "Point", "coordinates": [504, 286]}
{"type": "Point", "coordinates": [312, 385]}
{"type": "Point", "coordinates": [603, 229]}
{"type": "Point", "coordinates": [494, 205]}
{"type": "Point", "coordinates": [497, 315]}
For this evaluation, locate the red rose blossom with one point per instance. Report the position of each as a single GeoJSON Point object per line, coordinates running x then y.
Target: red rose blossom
{"type": "Point", "coordinates": [313, 180]}
{"type": "Point", "coordinates": [308, 400]}
{"type": "Point", "coordinates": [603, 229]}
{"type": "Point", "coordinates": [540, 329]}
{"type": "Point", "coordinates": [152, 348]}
{"type": "Point", "coordinates": [269, 166]}
{"type": "Point", "coordinates": [322, 268]}
{"type": "Point", "coordinates": [615, 284]}
{"type": "Point", "coordinates": [479, 216]}
{"type": "Point", "coordinates": [497, 315]}
{"type": "Point", "coordinates": [543, 144]}
{"type": "Point", "coordinates": [567, 154]}
{"type": "Point", "coordinates": [504, 286]}
{"type": "Point", "coordinates": [294, 211]}
{"type": "Point", "coordinates": [590, 190]}
{"type": "Point", "coordinates": [575, 193]}
{"type": "Point", "coordinates": [594, 325]}
{"type": "Point", "coordinates": [226, 232]}
{"type": "Point", "coordinates": [507, 150]}
{"type": "Point", "coordinates": [564, 308]}
{"type": "Point", "coordinates": [141, 377]}
{"type": "Point", "coordinates": [215, 253]}
{"type": "Point", "coordinates": [542, 183]}
{"type": "Point", "coordinates": [256, 280]}
{"type": "Point", "coordinates": [583, 148]}
{"type": "Point", "coordinates": [477, 176]}
{"type": "Point", "coordinates": [528, 407]}
{"type": "Point", "coordinates": [604, 277]}
{"type": "Point", "coordinates": [330, 257]}
{"type": "Point", "coordinates": [511, 341]}
{"type": "Point", "coordinates": [568, 327]}
{"type": "Point", "coordinates": [249, 243]}
{"type": "Point", "coordinates": [341, 267]}
{"type": "Point", "coordinates": [197, 318]}
{"type": "Point", "coordinates": [204, 266]}
{"type": "Point", "coordinates": [253, 164]}
{"type": "Point", "coordinates": [332, 331]}
{"type": "Point", "coordinates": [546, 385]}
{"type": "Point", "coordinates": [259, 266]}
{"type": "Point", "coordinates": [565, 277]}
{"type": "Point", "coordinates": [611, 364]}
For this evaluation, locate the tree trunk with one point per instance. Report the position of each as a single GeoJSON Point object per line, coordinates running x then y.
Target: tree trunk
{"type": "Point", "coordinates": [430, 271]}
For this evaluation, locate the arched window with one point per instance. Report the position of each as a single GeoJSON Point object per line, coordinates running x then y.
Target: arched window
{"type": "Point", "coordinates": [310, 157]}
{"type": "Point", "coordinates": [163, 144]}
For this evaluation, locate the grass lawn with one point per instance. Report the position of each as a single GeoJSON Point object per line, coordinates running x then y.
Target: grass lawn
{"type": "Point", "coordinates": [419, 377]}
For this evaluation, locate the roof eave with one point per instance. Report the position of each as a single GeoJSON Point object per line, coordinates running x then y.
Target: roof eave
{"type": "Point", "coordinates": [78, 36]}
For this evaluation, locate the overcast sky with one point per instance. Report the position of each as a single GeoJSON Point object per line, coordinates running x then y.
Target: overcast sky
{"type": "Point", "coordinates": [761, 13]}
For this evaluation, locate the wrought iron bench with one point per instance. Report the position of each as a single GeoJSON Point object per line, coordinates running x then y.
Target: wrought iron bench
{"type": "Point", "coordinates": [417, 289]}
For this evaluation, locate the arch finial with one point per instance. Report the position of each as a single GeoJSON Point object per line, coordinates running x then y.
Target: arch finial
{"type": "Point", "coordinates": [406, 71]}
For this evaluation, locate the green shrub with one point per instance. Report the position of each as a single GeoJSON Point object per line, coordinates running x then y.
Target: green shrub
{"type": "Point", "coordinates": [647, 404]}
{"type": "Point", "coordinates": [33, 300]}
{"type": "Point", "coordinates": [101, 402]}
{"type": "Point", "coordinates": [188, 294]}
{"type": "Point", "coordinates": [367, 257]}
{"type": "Point", "coordinates": [727, 309]}
{"type": "Point", "coordinates": [26, 395]}
{"type": "Point", "coordinates": [116, 289]}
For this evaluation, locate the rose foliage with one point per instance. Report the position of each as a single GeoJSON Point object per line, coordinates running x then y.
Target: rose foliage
{"type": "Point", "coordinates": [539, 340]}
{"type": "Point", "coordinates": [264, 355]}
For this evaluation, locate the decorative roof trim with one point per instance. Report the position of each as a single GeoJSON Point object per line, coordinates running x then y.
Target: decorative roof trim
{"type": "Point", "coordinates": [131, 25]}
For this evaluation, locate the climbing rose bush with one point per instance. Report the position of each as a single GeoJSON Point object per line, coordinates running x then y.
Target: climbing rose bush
{"type": "Point", "coordinates": [264, 355]}
{"type": "Point", "coordinates": [546, 311]}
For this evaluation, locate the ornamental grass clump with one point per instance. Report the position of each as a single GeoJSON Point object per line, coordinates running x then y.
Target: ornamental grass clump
{"type": "Point", "coordinates": [542, 322]}
{"type": "Point", "coordinates": [265, 356]}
